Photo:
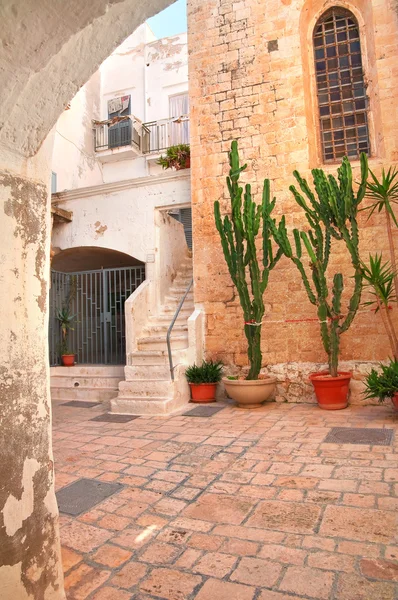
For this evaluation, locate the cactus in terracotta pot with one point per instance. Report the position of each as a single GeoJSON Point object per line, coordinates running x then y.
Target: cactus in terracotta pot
{"type": "Point", "coordinates": [249, 272]}
{"type": "Point", "coordinates": [331, 213]}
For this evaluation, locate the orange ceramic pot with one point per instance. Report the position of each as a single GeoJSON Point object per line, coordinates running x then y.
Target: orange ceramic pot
{"type": "Point", "coordinates": [394, 400]}
{"type": "Point", "coordinates": [68, 360]}
{"type": "Point", "coordinates": [331, 392]}
{"type": "Point", "coordinates": [203, 392]}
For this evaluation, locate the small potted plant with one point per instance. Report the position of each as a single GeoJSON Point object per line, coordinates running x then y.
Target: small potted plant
{"type": "Point", "coordinates": [203, 380]}
{"type": "Point", "coordinates": [384, 383]}
{"type": "Point", "coordinates": [177, 157]}
{"type": "Point", "coordinates": [331, 212]}
{"type": "Point", "coordinates": [238, 233]}
{"type": "Point", "coordinates": [65, 319]}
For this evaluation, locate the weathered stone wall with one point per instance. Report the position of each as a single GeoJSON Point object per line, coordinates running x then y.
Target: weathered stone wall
{"type": "Point", "coordinates": [251, 78]}
{"type": "Point", "coordinates": [48, 50]}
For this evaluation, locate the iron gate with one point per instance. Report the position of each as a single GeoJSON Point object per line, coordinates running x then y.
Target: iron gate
{"type": "Point", "coordinates": [96, 298]}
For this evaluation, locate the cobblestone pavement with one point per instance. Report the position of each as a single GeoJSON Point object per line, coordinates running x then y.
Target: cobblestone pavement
{"type": "Point", "coordinates": [243, 505]}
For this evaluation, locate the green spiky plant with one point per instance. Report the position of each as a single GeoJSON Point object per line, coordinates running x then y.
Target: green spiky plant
{"type": "Point", "coordinates": [238, 233]}
{"type": "Point", "coordinates": [331, 213]}
{"type": "Point", "coordinates": [384, 194]}
{"type": "Point", "coordinates": [379, 278]}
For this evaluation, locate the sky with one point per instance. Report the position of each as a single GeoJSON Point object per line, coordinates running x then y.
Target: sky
{"type": "Point", "coordinates": [170, 21]}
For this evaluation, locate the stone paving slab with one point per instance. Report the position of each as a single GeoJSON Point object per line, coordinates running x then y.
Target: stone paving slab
{"type": "Point", "coordinates": [360, 435]}
{"type": "Point", "coordinates": [245, 505]}
{"type": "Point", "coordinates": [81, 404]}
{"type": "Point", "coordinates": [84, 494]}
{"type": "Point", "coordinates": [203, 411]}
{"type": "Point", "coordinates": [114, 418]}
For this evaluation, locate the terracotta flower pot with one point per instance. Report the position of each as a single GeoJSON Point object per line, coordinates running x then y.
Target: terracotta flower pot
{"type": "Point", "coordinates": [68, 360]}
{"type": "Point", "coordinates": [394, 400]}
{"type": "Point", "coordinates": [203, 392]}
{"type": "Point", "coordinates": [248, 393]}
{"type": "Point", "coordinates": [331, 392]}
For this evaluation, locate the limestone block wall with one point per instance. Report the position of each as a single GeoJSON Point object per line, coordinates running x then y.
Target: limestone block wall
{"type": "Point", "coordinates": [251, 79]}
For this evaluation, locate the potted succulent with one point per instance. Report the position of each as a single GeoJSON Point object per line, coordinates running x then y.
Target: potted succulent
{"type": "Point", "coordinates": [331, 213]}
{"type": "Point", "coordinates": [177, 157]}
{"type": "Point", "coordinates": [203, 380]}
{"type": "Point", "coordinates": [383, 384]}
{"type": "Point", "coordinates": [238, 234]}
{"type": "Point", "coordinates": [65, 319]}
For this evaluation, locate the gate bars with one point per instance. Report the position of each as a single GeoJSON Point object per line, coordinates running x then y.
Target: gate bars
{"type": "Point", "coordinates": [97, 300]}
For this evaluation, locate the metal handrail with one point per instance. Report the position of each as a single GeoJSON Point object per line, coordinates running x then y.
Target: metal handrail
{"type": "Point", "coordinates": [177, 312]}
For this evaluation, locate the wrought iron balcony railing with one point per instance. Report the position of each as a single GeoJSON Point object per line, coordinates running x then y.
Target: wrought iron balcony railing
{"type": "Point", "coordinates": [145, 138]}
{"type": "Point", "coordinates": [118, 132]}
{"type": "Point", "coordinates": [165, 133]}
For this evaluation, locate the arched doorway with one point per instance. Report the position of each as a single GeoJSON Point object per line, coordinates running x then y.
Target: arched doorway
{"type": "Point", "coordinates": [93, 284]}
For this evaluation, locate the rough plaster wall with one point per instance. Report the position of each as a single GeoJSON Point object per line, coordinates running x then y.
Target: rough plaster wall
{"type": "Point", "coordinates": [49, 48]}
{"type": "Point", "coordinates": [63, 43]}
{"type": "Point", "coordinates": [74, 160]}
{"type": "Point", "coordinates": [248, 81]}
{"type": "Point", "coordinates": [166, 74]}
{"type": "Point", "coordinates": [123, 221]}
{"type": "Point", "coordinates": [29, 544]}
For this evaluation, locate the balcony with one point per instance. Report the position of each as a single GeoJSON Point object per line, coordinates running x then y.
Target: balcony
{"type": "Point", "coordinates": [165, 133]}
{"type": "Point", "coordinates": [119, 138]}
{"type": "Point", "coordinates": [127, 137]}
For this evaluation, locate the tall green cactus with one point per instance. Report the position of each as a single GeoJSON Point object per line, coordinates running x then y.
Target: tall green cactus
{"type": "Point", "coordinates": [238, 235]}
{"type": "Point", "coordinates": [332, 215]}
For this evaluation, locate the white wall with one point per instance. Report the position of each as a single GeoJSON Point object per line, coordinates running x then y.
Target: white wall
{"type": "Point", "coordinates": [74, 159]}
{"type": "Point", "coordinates": [147, 69]}
{"type": "Point", "coordinates": [166, 74]}
{"type": "Point", "coordinates": [122, 220]}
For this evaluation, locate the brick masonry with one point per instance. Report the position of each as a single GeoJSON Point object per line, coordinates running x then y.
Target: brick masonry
{"type": "Point", "coordinates": [245, 505]}
{"type": "Point", "coordinates": [251, 80]}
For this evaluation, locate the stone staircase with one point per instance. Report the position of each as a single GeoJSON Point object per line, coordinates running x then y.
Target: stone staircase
{"type": "Point", "coordinates": [93, 383]}
{"type": "Point", "coordinates": [148, 388]}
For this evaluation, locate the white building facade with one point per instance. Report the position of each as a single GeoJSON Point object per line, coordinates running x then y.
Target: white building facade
{"type": "Point", "coordinates": [121, 223]}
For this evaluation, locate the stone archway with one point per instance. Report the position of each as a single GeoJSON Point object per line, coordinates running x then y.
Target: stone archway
{"type": "Point", "coordinates": [48, 50]}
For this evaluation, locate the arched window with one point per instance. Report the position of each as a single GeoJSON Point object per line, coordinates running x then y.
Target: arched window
{"type": "Point", "coordinates": [340, 85]}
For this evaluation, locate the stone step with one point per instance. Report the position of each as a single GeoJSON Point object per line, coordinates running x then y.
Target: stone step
{"type": "Point", "coordinates": [159, 342]}
{"type": "Point", "coordinates": [162, 328]}
{"type": "Point", "coordinates": [90, 394]}
{"type": "Point", "coordinates": [154, 373]}
{"type": "Point", "coordinates": [93, 382]}
{"type": "Point", "coordinates": [143, 406]}
{"type": "Point", "coordinates": [148, 358]}
{"type": "Point", "coordinates": [186, 309]}
{"type": "Point", "coordinates": [89, 371]}
{"type": "Point", "coordinates": [165, 319]}
{"type": "Point", "coordinates": [142, 388]}
{"type": "Point", "coordinates": [179, 290]}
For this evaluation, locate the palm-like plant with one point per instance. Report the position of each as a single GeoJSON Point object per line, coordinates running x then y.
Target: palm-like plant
{"type": "Point", "coordinates": [384, 194]}
{"type": "Point", "coordinates": [379, 277]}
{"type": "Point", "coordinates": [65, 318]}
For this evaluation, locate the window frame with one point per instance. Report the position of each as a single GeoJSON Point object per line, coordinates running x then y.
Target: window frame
{"type": "Point", "coordinates": [354, 128]}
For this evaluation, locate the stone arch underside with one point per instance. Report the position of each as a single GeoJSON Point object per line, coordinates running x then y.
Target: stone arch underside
{"type": "Point", "coordinates": [48, 49]}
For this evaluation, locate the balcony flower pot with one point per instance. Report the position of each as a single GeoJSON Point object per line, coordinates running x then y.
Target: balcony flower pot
{"type": "Point", "coordinates": [203, 380]}
{"type": "Point", "coordinates": [331, 392]}
{"type": "Point", "coordinates": [394, 400]}
{"type": "Point", "coordinates": [68, 360]}
{"type": "Point", "coordinates": [203, 392]}
{"type": "Point", "coordinates": [250, 393]}
{"type": "Point", "coordinates": [176, 157]}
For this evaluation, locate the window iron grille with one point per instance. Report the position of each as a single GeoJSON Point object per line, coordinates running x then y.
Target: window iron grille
{"type": "Point", "coordinates": [341, 88]}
